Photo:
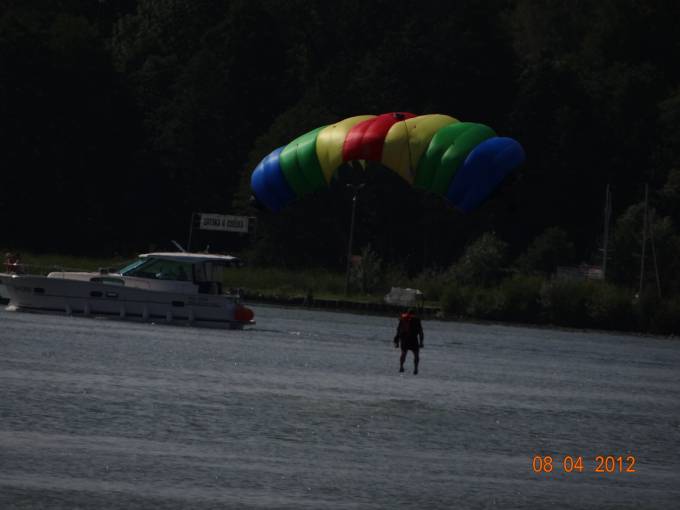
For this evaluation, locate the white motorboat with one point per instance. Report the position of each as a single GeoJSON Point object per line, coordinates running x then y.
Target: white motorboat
{"type": "Point", "coordinates": [160, 287]}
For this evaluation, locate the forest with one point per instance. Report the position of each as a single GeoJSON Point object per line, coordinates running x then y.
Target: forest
{"type": "Point", "coordinates": [120, 119]}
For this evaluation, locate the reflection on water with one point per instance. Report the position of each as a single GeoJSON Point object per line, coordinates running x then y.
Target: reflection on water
{"type": "Point", "coordinates": [307, 410]}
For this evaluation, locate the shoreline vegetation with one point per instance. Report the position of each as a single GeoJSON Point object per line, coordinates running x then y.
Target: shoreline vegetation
{"type": "Point", "coordinates": [513, 299]}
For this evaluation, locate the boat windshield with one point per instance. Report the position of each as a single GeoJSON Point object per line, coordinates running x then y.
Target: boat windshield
{"type": "Point", "coordinates": [159, 269]}
{"type": "Point", "coordinates": [131, 266]}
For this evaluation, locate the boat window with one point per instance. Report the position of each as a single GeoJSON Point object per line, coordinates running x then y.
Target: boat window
{"type": "Point", "coordinates": [209, 288]}
{"type": "Point", "coordinates": [132, 266]}
{"type": "Point", "coordinates": [160, 269]}
{"type": "Point", "coordinates": [209, 272]}
{"type": "Point", "coordinates": [200, 273]}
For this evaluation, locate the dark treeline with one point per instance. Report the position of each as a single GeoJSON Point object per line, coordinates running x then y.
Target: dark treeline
{"type": "Point", "coordinates": [119, 119]}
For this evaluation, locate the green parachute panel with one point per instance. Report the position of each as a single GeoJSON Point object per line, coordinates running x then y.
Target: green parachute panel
{"type": "Point", "coordinates": [447, 151]}
{"type": "Point", "coordinates": [300, 164]}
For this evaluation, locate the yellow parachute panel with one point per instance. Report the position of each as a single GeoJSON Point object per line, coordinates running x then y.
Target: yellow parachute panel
{"type": "Point", "coordinates": [406, 142]}
{"type": "Point", "coordinates": [329, 143]}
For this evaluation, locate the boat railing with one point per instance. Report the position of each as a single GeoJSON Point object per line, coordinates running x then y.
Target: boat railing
{"type": "Point", "coordinates": [44, 269]}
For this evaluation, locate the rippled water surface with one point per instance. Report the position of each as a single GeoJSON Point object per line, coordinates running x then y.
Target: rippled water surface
{"type": "Point", "coordinates": [307, 410]}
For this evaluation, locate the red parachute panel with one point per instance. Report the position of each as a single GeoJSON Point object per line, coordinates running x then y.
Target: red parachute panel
{"type": "Point", "coordinates": [366, 139]}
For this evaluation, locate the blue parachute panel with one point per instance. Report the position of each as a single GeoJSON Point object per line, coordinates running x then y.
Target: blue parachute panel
{"type": "Point", "coordinates": [483, 170]}
{"type": "Point", "coordinates": [269, 185]}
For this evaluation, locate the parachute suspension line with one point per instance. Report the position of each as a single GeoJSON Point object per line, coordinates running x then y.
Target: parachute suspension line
{"type": "Point", "coordinates": [355, 192]}
{"type": "Point", "coordinates": [411, 170]}
{"type": "Point", "coordinates": [410, 156]}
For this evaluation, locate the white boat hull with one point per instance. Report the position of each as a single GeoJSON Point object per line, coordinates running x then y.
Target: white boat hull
{"type": "Point", "coordinates": [76, 297]}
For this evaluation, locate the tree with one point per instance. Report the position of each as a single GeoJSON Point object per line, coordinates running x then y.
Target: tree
{"type": "Point", "coordinates": [482, 262]}
{"type": "Point", "coordinates": [368, 273]}
{"type": "Point", "coordinates": [67, 129]}
{"type": "Point", "coordinates": [547, 251]}
{"type": "Point", "coordinates": [627, 244]}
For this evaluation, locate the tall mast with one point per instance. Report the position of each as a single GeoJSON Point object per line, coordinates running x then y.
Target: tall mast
{"type": "Point", "coordinates": [607, 217]}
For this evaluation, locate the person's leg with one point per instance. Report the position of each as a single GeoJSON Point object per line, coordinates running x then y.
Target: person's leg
{"type": "Point", "coordinates": [416, 360]}
{"type": "Point", "coordinates": [402, 358]}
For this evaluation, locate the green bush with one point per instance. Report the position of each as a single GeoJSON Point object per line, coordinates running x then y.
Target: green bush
{"type": "Point", "coordinates": [645, 307]}
{"type": "Point", "coordinates": [666, 319]}
{"type": "Point", "coordinates": [484, 303]}
{"type": "Point", "coordinates": [479, 303]}
{"type": "Point", "coordinates": [482, 263]}
{"type": "Point", "coordinates": [611, 307]}
{"type": "Point", "coordinates": [546, 252]}
{"type": "Point", "coordinates": [522, 298]}
{"type": "Point", "coordinates": [283, 281]}
{"type": "Point", "coordinates": [432, 282]}
{"type": "Point", "coordinates": [395, 276]}
{"type": "Point", "coordinates": [565, 302]}
{"type": "Point", "coordinates": [455, 300]}
{"type": "Point", "coordinates": [368, 274]}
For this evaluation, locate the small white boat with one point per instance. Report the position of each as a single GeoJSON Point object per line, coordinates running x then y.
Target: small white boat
{"type": "Point", "coordinates": [177, 288]}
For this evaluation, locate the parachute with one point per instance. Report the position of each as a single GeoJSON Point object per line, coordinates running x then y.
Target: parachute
{"type": "Point", "coordinates": [464, 162]}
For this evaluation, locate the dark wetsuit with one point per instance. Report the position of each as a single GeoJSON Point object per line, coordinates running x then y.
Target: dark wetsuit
{"type": "Point", "coordinates": [409, 333]}
{"type": "Point", "coordinates": [410, 338]}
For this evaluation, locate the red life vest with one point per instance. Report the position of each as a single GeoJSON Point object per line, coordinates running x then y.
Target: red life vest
{"type": "Point", "coordinates": [406, 325]}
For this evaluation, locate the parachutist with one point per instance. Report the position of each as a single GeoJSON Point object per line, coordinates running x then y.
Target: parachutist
{"type": "Point", "coordinates": [410, 338]}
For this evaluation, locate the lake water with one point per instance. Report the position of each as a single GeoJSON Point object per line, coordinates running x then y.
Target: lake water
{"type": "Point", "coordinates": [308, 410]}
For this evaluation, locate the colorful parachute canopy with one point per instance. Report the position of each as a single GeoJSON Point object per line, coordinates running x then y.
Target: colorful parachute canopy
{"type": "Point", "coordinates": [461, 161]}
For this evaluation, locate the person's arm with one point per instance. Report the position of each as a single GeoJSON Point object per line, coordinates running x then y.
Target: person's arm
{"type": "Point", "coordinates": [421, 335]}
{"type": "Point", "coordinates": [396, 336]}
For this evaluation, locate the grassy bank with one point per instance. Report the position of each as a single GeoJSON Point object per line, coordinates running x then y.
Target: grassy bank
{"type": "Point", "coordinates": [284, 283]}
{"type": "Point", "coordinates": [319, 284]}
{"type": "Point", "coordinates": [518, 298]}
{"type": "Point", "coordinates": [565, 302]}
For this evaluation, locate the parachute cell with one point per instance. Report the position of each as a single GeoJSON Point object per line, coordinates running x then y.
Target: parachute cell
{"type": "Point", "coordinates": [366, 139]}
{"type": "Point", "coordinates": [272, 187]}
{"type": "Point", "coordinates": [462, 161]}
{"type": "Point", "coordinates": [406, 141]}
{"type": "Point", "coordinates": [483, 170]}
{"type": "Point", "coordinates": [448, 149]}
{"type": "Point", "coordinates": [330, 141]}
{"type": "Point", "coordinates": [300, 164]}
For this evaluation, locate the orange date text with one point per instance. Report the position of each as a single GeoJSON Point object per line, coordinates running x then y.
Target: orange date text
{"type": "Point", "coordinates": [577, 464]}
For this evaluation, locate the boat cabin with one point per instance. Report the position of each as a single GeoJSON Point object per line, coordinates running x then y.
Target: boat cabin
{"type": "Point", "coordinates": [204, 270]}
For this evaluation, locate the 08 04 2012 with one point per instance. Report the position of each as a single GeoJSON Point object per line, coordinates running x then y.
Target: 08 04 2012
{"type": "Point", "coordinates": [541, 464]}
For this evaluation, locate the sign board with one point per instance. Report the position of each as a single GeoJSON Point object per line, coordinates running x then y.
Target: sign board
{"type": "Point", "coordinates": [224, 223]}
